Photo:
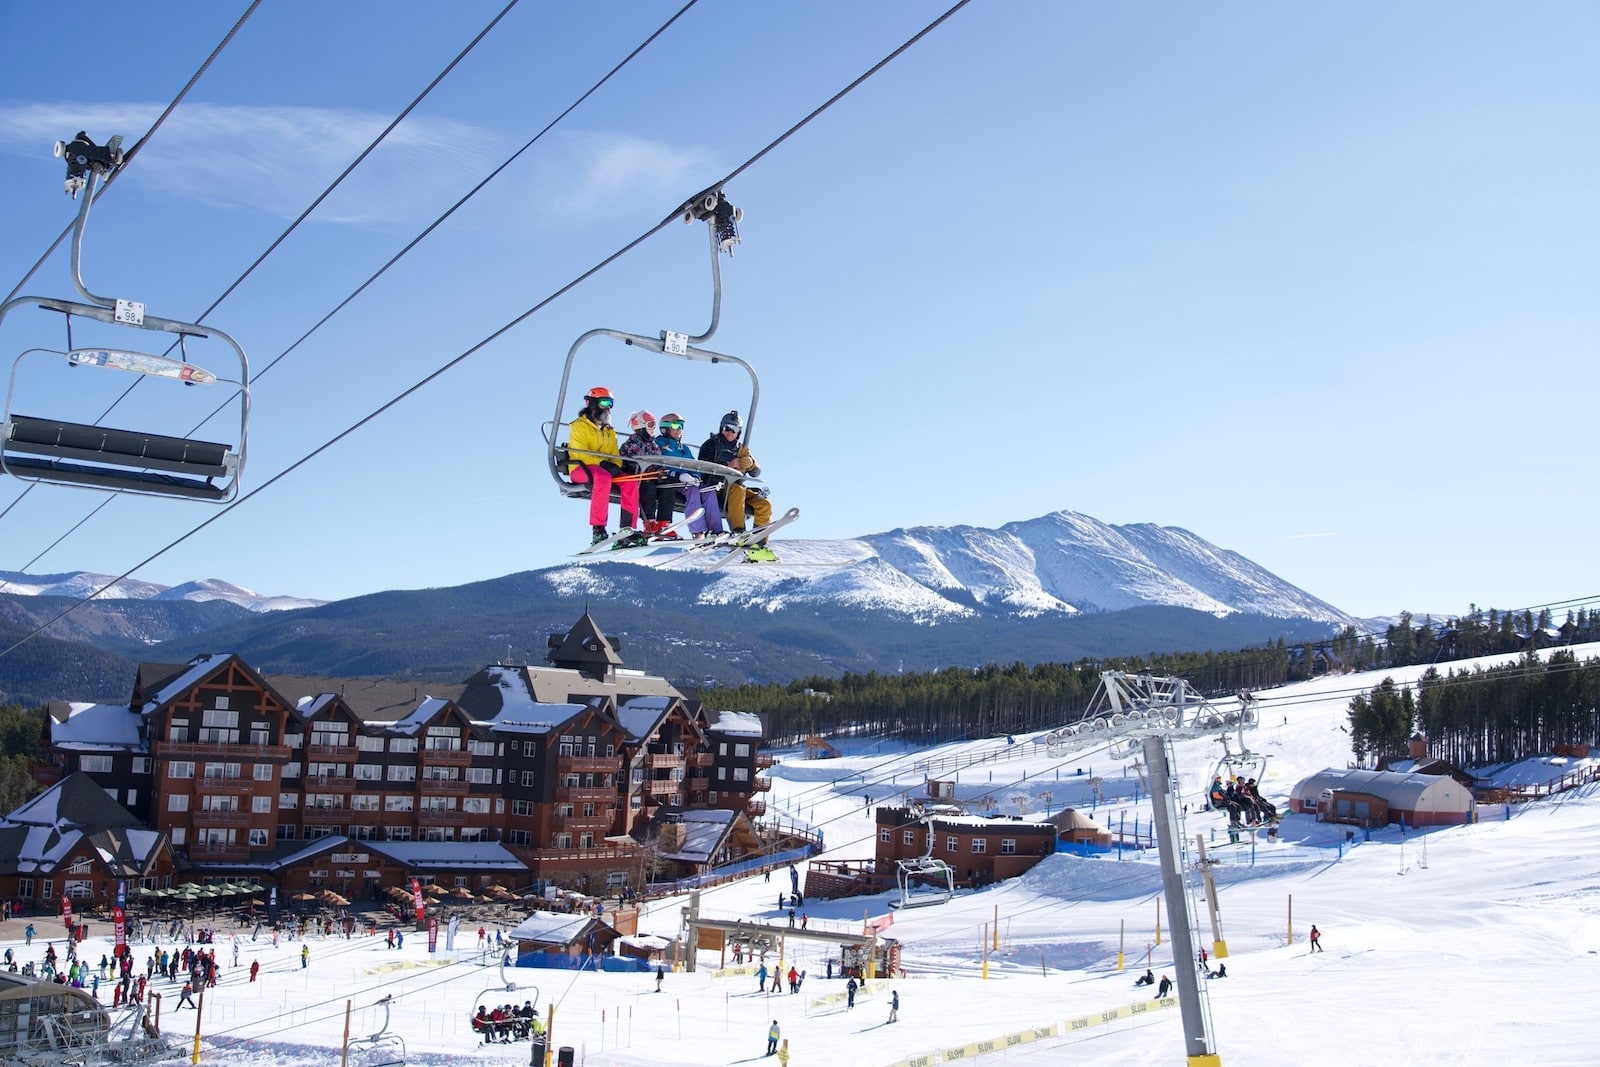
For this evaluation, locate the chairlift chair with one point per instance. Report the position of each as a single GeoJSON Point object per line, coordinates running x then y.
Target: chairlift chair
{"type": "Point", "coordinates": [62, 451]}
{"type": "Point", "coordinates": [720, 216]}
{"type": "Point", "coordinates": [380, 1049]}
{"type": "Point", "coordinates": [936, 876]}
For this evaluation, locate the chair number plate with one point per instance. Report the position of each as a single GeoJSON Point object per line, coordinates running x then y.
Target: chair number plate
{"type": "Point", "coordinates": [675, 344]}
{"type": "Point", "coordinates": [129, 313]}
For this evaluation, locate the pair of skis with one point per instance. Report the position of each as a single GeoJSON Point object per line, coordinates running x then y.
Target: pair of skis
{"type": "Point", "coordinates": [748, 545]}
{"type": "Point", "coordinates": [751, 546]}
{"type": "Point", "coordinates": [616, 541]}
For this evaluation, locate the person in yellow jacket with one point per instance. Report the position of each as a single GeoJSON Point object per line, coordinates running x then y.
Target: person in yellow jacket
{"type": "Point", "coordinates": [595, 461]}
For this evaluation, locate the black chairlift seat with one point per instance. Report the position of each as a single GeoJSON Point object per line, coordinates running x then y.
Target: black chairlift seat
{"type": "Point", "coordinates": [106, 458]}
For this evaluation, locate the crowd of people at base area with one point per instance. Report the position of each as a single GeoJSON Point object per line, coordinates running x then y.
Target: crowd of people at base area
{"type": "Point", "coordinates": [649, 492]}
{"type": "Point", "coordinates": [1243, 802]}
{"type": "Point", "coordinates": [508, 1023]}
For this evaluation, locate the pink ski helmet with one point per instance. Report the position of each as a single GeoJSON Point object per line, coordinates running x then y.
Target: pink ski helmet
{"type": "Point", "coordinates": [640, 419]}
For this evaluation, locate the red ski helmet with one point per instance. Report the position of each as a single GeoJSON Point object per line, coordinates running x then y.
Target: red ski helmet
{"type": "Point", "coordinates": [641, 419]}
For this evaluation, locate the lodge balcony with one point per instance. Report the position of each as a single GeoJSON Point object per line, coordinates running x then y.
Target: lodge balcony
{"type": "Point", "coordinates": [663, 761]}
{"type": "Point", "coordinates": [236, 752]}
{"type": "Point", "coordinates": [761, 784]}
{"type": "Point", "coordinates": [765, 760]}
{"type": "Point", "coordinates": [448, 757]}
{"type": "Point", "coordinates": [585, 792]}
{"type": "Point", "coordinates": [223, 817]}
{"type": "Point", "coordinates": [236, 787]}
{"type": "Point", "coordinates": [587, 764]}
{"type": "Point", "coordinates": [451, 786]}
{"type": "Point", "coordinates": [324, 816]}
{"type": "Point", "coordinates": [332, 753]}
{"type": "Point", "coordinates": [219, 853]}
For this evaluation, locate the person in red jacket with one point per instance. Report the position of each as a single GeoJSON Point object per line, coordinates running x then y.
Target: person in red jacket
{"type": "Point", "coordinates": [255, 969]}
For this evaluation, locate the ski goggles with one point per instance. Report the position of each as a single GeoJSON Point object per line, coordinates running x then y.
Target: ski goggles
{"type": "Point", "coordinates": [603, 403]}
{"type": "Point", "coordinates": [672, 424]}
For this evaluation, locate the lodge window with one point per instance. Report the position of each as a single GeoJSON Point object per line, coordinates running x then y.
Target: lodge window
{"type": "Point", "coordinates": [520, 837]}
{"type": "Point", "coordinates": [1008, 846]}
{"type": "Point", "coordinates": [980, 844]}
{"type": "Point", "coordinates": [94, 764]}
{"type": "Point", "coordinates": [951, 844]}
{"type": "Point", "coordinates": [909, 837]}
{"type": "Point", "coordinates": [884, 835]}
{"type": "Point", "coordinates": [180, 769]}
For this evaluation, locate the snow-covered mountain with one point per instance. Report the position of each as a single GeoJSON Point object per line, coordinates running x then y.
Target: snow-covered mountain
{"type": "Point", "coordinates": [1060, 564]}
{"type": "Point", "coordinates": [80, 584]}
{"type": "Point", "coordinates": [1064, 563]}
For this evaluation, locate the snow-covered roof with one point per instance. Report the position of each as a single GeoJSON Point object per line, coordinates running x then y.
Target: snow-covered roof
{"type": "Point", "coordinates": [475, 855]}
{"type": "Point", "coordinates": [198, 668]}
{"type": "Point", "coordinates": [734, 723]}
{"type": "Point", "coordinates": [518, 711]}
{"type": "Point", "coordinates": [538, 726]}
{"type": "Point", "coordinates": [1410, 792]}
{"type": "Point", "coordinates": [554, 928]}
{"type": "Point", "coordinates": [703, 831]}
{"type": "Point", "coordinates": [640, 714]}
{"type": "Point", "coordinates": [97, 728]}
{"type": "Point", "coordinates": [423, 714]}
{"type": "Point", "coordinates": [74, 801]}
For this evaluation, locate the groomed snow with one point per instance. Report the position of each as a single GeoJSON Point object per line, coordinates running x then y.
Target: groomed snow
{"type": "Point", "coordinates": [1467, 945]}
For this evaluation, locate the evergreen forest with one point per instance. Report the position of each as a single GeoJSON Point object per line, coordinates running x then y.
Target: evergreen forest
{"type": "Point", "coordinates": [1488, 716]}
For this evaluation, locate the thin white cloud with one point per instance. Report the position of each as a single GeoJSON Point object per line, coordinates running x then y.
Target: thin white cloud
{"type": "Point", "coordinates": [275, 159]}
{"type": "Point", "coordinates": [589, 174]}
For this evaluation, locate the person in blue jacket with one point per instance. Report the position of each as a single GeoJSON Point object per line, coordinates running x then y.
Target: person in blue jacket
{"type": "Point", "coordinates": [696, 497]}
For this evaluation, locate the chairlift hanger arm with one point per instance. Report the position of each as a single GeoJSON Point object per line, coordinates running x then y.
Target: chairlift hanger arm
{"type": "Point", "coordinates": [720, 217]}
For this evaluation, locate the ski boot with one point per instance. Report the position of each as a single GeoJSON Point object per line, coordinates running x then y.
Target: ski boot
{"type": "Point", "coordinates": [760, 554]}
{"type": "Point", "coordinates": [598, 534]}
{"type": "Point", "coordinates": [633, 540]}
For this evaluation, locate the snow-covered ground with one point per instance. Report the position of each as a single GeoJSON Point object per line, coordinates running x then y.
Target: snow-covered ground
{"type": "Point", "coordinates": [1467, 945]}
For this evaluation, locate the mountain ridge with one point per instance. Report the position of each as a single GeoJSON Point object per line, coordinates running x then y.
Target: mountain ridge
{"type": "Point", "coordinates": [1060, 587]}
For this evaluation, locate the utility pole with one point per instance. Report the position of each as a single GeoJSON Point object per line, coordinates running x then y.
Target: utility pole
{"type": "Point", "coordinates": [1199, 1044]}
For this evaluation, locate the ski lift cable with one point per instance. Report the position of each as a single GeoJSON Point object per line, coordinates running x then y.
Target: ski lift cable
{"type": "Point", "coordinates": [141, 142]}
{"type": "Point", "coordinates": [474, 348]}
{"type": "Point", "coordinates": [318, 200]}
{"type": "Point", "coordinates": [406, 249]}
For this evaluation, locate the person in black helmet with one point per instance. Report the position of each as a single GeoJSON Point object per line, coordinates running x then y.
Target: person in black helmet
{"type": "Point", "coordinates": [724, 447]}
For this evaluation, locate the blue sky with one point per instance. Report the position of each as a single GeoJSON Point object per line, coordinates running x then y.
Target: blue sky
{"type": "Point", "coordinates": [1315, 282]}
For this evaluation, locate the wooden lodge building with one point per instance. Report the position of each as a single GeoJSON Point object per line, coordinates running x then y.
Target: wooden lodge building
{"type": "Point", "coordinates": [520, 774]}
{"type": "Point", "coordinates": [979, 849]}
